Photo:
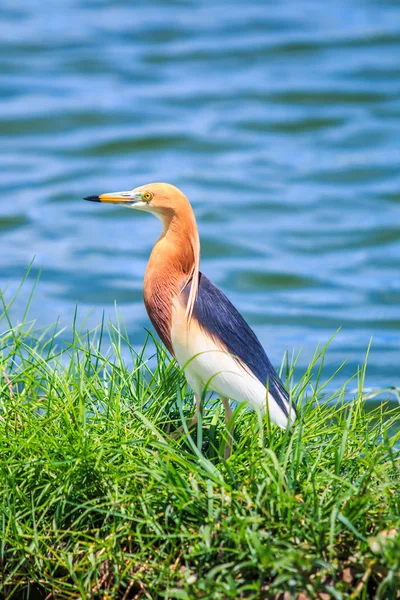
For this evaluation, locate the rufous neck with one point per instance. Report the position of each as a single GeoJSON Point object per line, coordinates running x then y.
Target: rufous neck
{"type": "Point", "coordinates": [176, 252]}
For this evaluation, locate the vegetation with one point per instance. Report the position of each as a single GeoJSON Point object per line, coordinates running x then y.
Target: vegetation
{"type": "Point", "coordinates": [98, 501]}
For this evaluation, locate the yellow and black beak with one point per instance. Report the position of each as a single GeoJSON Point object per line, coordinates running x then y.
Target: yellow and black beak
{"type": "Point", "coordinates": [114, 198]}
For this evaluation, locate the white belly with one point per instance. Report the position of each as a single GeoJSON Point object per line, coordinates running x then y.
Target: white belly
{"type": "Point", "coordinates": [208, 368]}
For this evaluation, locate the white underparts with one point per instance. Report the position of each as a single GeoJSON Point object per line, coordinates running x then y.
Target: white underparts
{"type": "Point", "coordinates": [208, 367]}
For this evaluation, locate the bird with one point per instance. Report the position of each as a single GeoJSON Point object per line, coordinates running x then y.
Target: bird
{"type": "Point", "coordinates": [197, 323]}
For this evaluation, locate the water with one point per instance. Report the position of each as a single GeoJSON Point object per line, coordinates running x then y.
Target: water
{"type": "Point", "coordinates": [281, 123]}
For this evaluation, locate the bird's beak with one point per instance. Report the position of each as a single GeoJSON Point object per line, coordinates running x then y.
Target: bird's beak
{"type": "Point", "coordinates": [115, 198]}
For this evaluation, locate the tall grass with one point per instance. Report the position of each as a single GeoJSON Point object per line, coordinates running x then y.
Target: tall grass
{"type": "Point", "coordinates": [97, 500]}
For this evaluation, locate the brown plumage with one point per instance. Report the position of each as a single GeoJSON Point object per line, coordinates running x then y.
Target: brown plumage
{"type": "Point", "coordinates": [174, 260]}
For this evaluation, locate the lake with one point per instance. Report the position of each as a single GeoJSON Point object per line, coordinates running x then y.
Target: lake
{"type": "Point", "coordinates": [280, 122]}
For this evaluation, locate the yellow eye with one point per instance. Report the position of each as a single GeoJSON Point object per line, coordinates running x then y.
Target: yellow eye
{"type": "Point", "coordinates": [147, 196]}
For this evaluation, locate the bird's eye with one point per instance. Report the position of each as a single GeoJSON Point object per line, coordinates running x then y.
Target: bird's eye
{"type": "Point", "coordinates": [147, 196]}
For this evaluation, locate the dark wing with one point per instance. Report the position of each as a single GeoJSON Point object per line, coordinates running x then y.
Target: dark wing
{"type": "Point", "coordinates": [217, 315]}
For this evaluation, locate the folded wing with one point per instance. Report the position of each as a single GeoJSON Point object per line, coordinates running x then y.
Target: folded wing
{"type": "Point", "coordinates": [217, 316]}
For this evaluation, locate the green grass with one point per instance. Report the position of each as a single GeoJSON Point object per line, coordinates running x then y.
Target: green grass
{"type": "Point", "coordinates": [98, 501]}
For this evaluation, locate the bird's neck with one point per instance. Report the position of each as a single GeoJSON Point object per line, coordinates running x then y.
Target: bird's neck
{"type": "Point", "coordinates": [173, 261]}
{"type": "Point", "coordinates": [175, 252]}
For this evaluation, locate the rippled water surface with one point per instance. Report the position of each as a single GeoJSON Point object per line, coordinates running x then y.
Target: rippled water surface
{"type": "Point", "coordinates": [280, 121]}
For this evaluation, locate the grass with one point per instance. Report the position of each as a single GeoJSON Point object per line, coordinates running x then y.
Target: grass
{"type": "Point", "coordinates": [97, 500]}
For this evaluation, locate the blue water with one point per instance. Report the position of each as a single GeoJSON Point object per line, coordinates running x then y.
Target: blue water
{"type": "Point", "coordinates": [280, 121]}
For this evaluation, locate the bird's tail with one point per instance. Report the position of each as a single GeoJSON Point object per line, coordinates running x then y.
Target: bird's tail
{"type": "Point", "coordinates": [281, 410]}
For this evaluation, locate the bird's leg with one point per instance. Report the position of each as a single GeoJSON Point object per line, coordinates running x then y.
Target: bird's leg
{"type": "Point", "coordinates": [228, 417]}
{"type": "Point", "coordinates": [194, 420]}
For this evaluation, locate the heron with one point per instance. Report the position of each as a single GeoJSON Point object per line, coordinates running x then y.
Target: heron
{"type": "Point", "coordinates": [200, 327]}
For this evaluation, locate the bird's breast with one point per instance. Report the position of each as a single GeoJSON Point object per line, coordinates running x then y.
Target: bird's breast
{"type": "Point", "coordinates": [163, 283]}
{"type": "Point", "coordinates": [158, 298]}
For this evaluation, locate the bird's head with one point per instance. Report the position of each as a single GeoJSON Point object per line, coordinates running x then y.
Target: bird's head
{"type": "Point", "coordinates": [162, 199]}
{"type": "Point", "coordinates": [179, 223]}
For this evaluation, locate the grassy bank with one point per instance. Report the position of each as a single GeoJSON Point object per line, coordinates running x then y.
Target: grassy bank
{"type": "Point", "coordinates": [98, 501]}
